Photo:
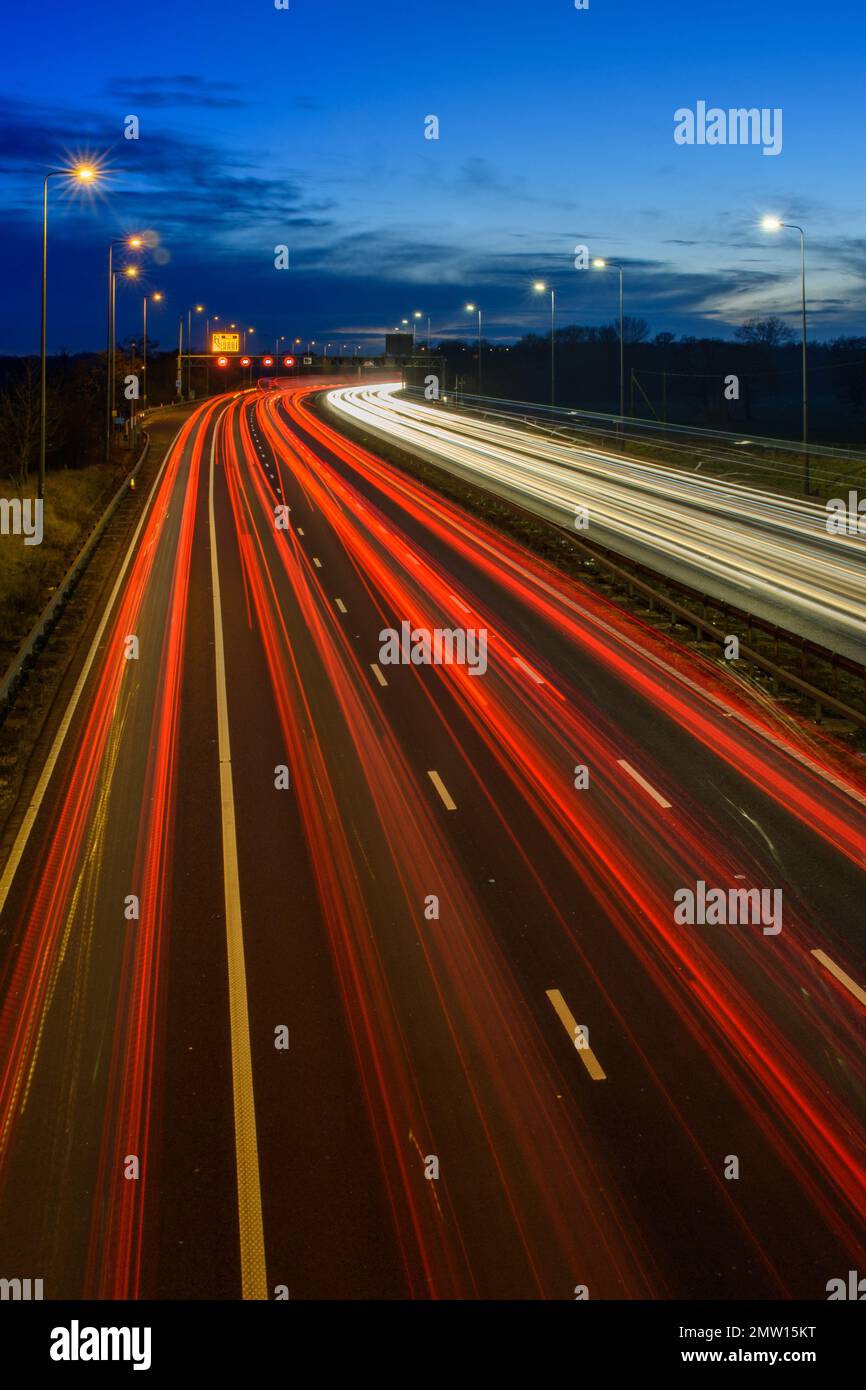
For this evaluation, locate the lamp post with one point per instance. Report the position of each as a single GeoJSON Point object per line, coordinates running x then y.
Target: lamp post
{"type": "Point", "coordinates": [415, 317]}
{"type": "Point", "coordinates": [600, 264]}
{"type": "Point", "coordinates": [471, 309]}
{"type": "Point", "coordinates": [207, 350]}
{"type": "Point", "coordinates": [129, 272]}
{"type": "Point", "coordinates": [199, 308]}
{"type": "Point", "coordinates": [133, 243]}
{"type": "Point", "coordinates": [773, 224]}
{"type": "Point", "coordinates": [539, 288]}
{"type": "Point", "coordinates": [84, 174]}
{"type": "Point", "coordinates": [157, 299]}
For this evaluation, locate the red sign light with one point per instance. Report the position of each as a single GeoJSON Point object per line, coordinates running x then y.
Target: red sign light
{"type": "Point", "coordinates": [267, 361]}
{"type": "Point", "coordinates": [222, 361]}
{"type": "Point", "coordinates": [288, 361]}
{"type": "Point", "coordinates": [245, 361]}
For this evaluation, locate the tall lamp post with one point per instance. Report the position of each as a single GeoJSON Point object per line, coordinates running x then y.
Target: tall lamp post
{"type": "Point", "coordinates": [157, 299]}
{"type": "Point", "coordinates": [207, 349]}
{"type": "Point", "coordinates": [539, 288]}
{"type": "Point", "coordinates": [132, 243]}
{"type": "Point", "coordinates": [471, 309]}
{"type": "Point", "coordinates": [600, 264]}
{"type": "Point", "coordinates": [199, 309]}
{"type": "Point", "coordinates": [773, 224]}
{"type": "Point", "coordinates": [129, 272]}
{"type": "Point", "coordinates": [83, 174]}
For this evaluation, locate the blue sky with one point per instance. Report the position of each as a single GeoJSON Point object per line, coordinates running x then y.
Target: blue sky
{"type": "Point", "coordinates": [305, 127]}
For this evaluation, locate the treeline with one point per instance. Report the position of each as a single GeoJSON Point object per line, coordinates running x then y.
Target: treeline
{"type": "Point", "coordinates": [685, 380]}
{"type": "Point", "coordinates": [75, 400]}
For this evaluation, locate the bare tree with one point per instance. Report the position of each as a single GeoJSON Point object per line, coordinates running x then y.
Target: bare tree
{"type": "Point", "coordinates": [19, 424]}
{"type": "Point", "coordinates": [768, 333]}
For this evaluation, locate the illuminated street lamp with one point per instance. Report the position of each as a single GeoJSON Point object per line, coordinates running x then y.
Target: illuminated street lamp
{"type": "Point", "coordinates": [600, 264]}
{"type": "Point", "coordinates": [81, 174]}
{"type": "Point", "coordinates": [131, 243]}
{"type": "Point", "coordinates": [157, 298]}
{"type": "Point", "coordinates": [199, 309]}
{"type": "Point", "coordinates": [773, 224]}
{"type": "Point", "coordinates": [471, 309]}
{"type": "Point", "coordinates": [540, 288]}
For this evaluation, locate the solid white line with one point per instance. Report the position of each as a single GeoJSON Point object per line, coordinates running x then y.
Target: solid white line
{"type": "Point", "coordinates": [11, 866]}
{"type": "Point", "coordinates": [377, 673]}
{"type": "Point", "coordinates": [656, 796]}
{"type": "Point", "coordinates": [450, 803]}
{"type": "Point", "coordinates": [839, 973]}
{"type": "Point", "coordinates": [341, 605]}
{"type": "Point", "coordinates": [254, 1282]}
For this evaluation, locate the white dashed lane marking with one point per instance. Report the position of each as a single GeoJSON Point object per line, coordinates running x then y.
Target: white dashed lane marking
{"type": "Point", "coordinates": [447, 799]}
{"type": "Point", "coordinates": [642, 782]}
{"type": "Point", "coordinates": [566, 1018]}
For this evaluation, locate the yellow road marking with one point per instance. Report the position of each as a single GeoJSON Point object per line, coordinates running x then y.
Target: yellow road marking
{"type": "Point", "coordinates": [341, 605]}
{"type": "Point", "coordinates": [254, 1284]}
{"type": "Point", "coordinates": [377, 673]}
{"type": "Point", "coordinates": [566, 1018]}
{"type": "Point", "coordinates": [450, 804]}
{"type": "Point", "coordinates": [839, 974]}
{"type": "Point", "coordinates": [317, 562]}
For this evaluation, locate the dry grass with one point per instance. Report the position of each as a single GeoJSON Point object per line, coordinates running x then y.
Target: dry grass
{"type": "Point", "coordinates": [29, 574]}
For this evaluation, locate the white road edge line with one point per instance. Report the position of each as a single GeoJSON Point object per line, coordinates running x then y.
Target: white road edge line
{"type": "Point", "coordinates": [656, 796]}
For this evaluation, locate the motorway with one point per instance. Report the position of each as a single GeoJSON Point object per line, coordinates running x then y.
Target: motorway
{"type": "Point", "coordinates": [297, 946]}
{"type": "Point", "coordinates": [768, 554]}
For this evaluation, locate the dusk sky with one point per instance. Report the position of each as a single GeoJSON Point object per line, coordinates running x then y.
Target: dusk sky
{"type": "Point", "coordinates": [261, 126]}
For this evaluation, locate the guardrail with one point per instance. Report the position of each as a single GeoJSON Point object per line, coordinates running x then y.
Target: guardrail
{"type": "Point", "coordinates": [632, 576]}
{"type": "Point", "coordinates": [782, 455]}
{"type": "Point", "coordinates": [44, 625]}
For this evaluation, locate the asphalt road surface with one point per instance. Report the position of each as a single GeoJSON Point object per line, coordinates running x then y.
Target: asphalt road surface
{"type": "Point", "coordinates": [334, 978]}
{"type": "Point", "coordinates": [767, 554]}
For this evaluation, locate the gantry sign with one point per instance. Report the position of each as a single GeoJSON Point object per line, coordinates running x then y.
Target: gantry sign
{"type": "Point", "coordinates": [225, 342]}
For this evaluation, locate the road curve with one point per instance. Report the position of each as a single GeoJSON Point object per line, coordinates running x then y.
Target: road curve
{"type": "Point", "coordinates": [770, 555]}
{"type": "Point", "coordinates": [329, 977]}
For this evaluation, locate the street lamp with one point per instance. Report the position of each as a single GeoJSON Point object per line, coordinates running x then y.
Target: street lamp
{"type": "Point", "coordinates": [773, 224]}
{"type": "Point", "coordinates": [132, 243]}
{"type": "Point", "coordinates": [471, 309]}
{"type": "Point", "coordinates": [600, 264]}
{"type": "Point", "coordinates": [540, 288]}
{"type": "Point", "coordinates": [157, 298]}
{"type": "Point", "coordinates": [81, 174]}
{"type": "Point", "coordinates": [199, 309]}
